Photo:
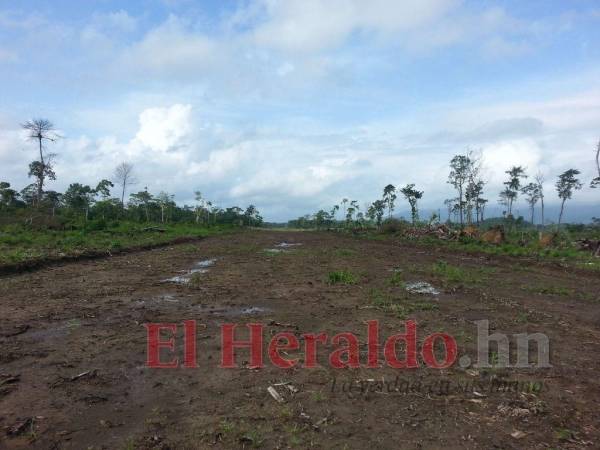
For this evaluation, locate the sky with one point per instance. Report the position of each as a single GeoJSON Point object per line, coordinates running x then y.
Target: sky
{"type": "Point", "coordinates": [293, 105]}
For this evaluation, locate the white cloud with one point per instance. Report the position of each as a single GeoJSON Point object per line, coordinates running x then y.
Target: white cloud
{"type": "Point", "coordinates": [164, 129]}
{"type": "Point", "coordinates": [220, 163]}
{"type": "Point", "coordinates": [171, 49]}
{"type": "Point", "coordinates": [310, 25]}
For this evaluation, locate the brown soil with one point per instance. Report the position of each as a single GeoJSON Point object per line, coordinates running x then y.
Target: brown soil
{"type": "Point", "coordinates": [73, 350]}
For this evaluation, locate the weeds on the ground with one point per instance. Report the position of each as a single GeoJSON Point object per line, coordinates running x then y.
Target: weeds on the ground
{"type": "Point", "coordinates": [454, 274]}
{"type": "Point", "coordinates": [254, 437]}
{"type": "Point", "coordinates": [549, 290]}
{"type": "Point", "coordinates": [196, 279]}
{"type": "Point", "coordinates": [341, 277]}
{"type": "Point", "coordinates": [318, 396]}
{"type": "Point", "coordinates": [344, 252]}
{"type": "Point", "coordinates": [561, 291]}
{"type": "Point", "coordinates": [401, 307]}
{"type": "Point", "coordinates": [522, 318]}
{"type": "Point", "coordinates": [566, 252]}
{"type": "Point", "coordinates": [563, 434]}
{"type": "Point", "coordinates": [396, 279]}
{"type": "Point", "coordinates": [294, 434]}
{"type": "Point", "coordinates": [227, 427]}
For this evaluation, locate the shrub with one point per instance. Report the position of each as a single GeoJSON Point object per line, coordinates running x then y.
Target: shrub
{"type": "Point", "coordinates": [341, 277]}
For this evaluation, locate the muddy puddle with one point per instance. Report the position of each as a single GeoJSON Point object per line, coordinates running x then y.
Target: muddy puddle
{"type": "Point", "coordinates": [185, 278]}
{"type": "Point", "coordinates": [234, 311]}
{"type": "Point", "coordinates": [157, 300]}
{"type": "Point", "coordinates": [281, 247]}
{"type": "Point", "coordinates": [421, 287]}
{"type": "Point", "coordinates": [287, 244]}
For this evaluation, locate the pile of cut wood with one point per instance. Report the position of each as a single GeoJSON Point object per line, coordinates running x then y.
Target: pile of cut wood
{"type": "Point", "coordinates": [589, 245]}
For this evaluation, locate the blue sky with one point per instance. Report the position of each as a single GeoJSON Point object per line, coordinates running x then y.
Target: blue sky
{"type": "Point", "coordinates": [292, 105]}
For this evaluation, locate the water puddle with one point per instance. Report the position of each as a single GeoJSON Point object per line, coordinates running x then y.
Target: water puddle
{"type": "Point", "coordinates": [207, 263]}
{"type": "Point", "coordinates": [234, 311]}
{"type": "Point", "coordinates": [201, 267]}
{"type": "Point", "coordinates": [273, 251]}
{"type": "Point", "coordinates": [282, 247]}
{"type": "Point", "coordinates": [421, 287]}
{"type": "Point", "coordinates": [287, 244]}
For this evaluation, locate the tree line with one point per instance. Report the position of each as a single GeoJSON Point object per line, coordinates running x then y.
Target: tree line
{"type": "Point", "coordinates": [85, 202]}
{"type": "Point", "coordinates": [466, 207]}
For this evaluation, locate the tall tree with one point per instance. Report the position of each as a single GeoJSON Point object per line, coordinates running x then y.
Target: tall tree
{"type": "Point", "coordinates": [481, 202]}
{"type": "Point", "coordinates": [513, 186]}
{"type": "Point", "coordinates": [124, 176]}
{"type": "Point", "coordinates": [143, 198]}
{"type": "Point", "coordinates": [389, 197]}
{"type": "Point", "coordinates": [566, 184]}
{"type": "Point", "coordinates": [376, 211]}
{"type": "Point", "coordinates": [164, 201]}
{"type": "Point", "coordinates": [41, 130]}
{"type": "Point", "coordinates": [355, 207]}
{"type": "Point", "coordinates": [103, 189]}
{"type": "Point", "coordinates": [460, 170]}
{"type": "Point", "coordinates": [413, 196]}
{"type": "Point", "coordinates": [333, 212]}
{"type": "Point", "coordinates": [79, 197]}
{"type": "Point", "coordinates": [344, 201]}
{"type": "Point", "coordinates": [450, 204]}
{"type": "Point", "coordinates": [532, 196]}
{"type": "Point", "coordinates": [539, 180]}
{"type": "Point", "coordinates": [8, 196]}
{"type": "Point", "coordinates": [199, 204]}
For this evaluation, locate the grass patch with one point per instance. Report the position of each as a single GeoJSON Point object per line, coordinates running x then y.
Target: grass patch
{"type": "Point", "coordinates": [454, 274]}
{"type": "Point", "coordinates": [343, 252]}
{"type": "Point", "coordinates": [550, 290]}
{"type": "Point", "coordinates": [396, 279]}
{"type": "Point", "coordinates": [341, 277]}
{"type": "Point", "coordinates": [20, 245]}
{"type": "Point", "coordinates": [563, 434]}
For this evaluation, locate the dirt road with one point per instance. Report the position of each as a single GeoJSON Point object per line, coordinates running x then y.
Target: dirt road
{"type": "Point", "coordinates": [73, 349]}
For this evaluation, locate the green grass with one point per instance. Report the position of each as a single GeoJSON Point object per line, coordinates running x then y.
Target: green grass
{"type": "Point", "coordinates": [345, 252]}
{"type": "Point", "coordinates": [560, 291]}
{"type": "Point", "coordinates": [20, 245]}
{"type": "Point", "coordinates": [341, 277]}
{"type": "Point", "coordinates": [454, 274]}
{"type": "Point", "coordinates": [565, 252]}
{"type": "Point", "coordinates": [563, 434]}
{"type": "Point", "coordinates": [550, 290]}
{"type": "Point", "coordinates": [396, 279]}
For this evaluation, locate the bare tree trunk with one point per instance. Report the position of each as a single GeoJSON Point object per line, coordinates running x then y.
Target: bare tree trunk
{"type": "Point", "coordinates": [532, 213]}
{"type": "Point", "coordinates": [562, 207]}
{"type": "Point", "coordinates": [41, 174]}
{"type": "Point", "coordinates": [460, 207]}
{"type": "Point", "coordinates": [542, 200]}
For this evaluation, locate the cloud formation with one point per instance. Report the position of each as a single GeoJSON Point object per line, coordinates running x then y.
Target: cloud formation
{"type": "Point", "coordinates": [292, 105]}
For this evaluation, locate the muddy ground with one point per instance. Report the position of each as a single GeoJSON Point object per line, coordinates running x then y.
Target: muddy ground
{"type": "Point", "coordinates": [73, 349]}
